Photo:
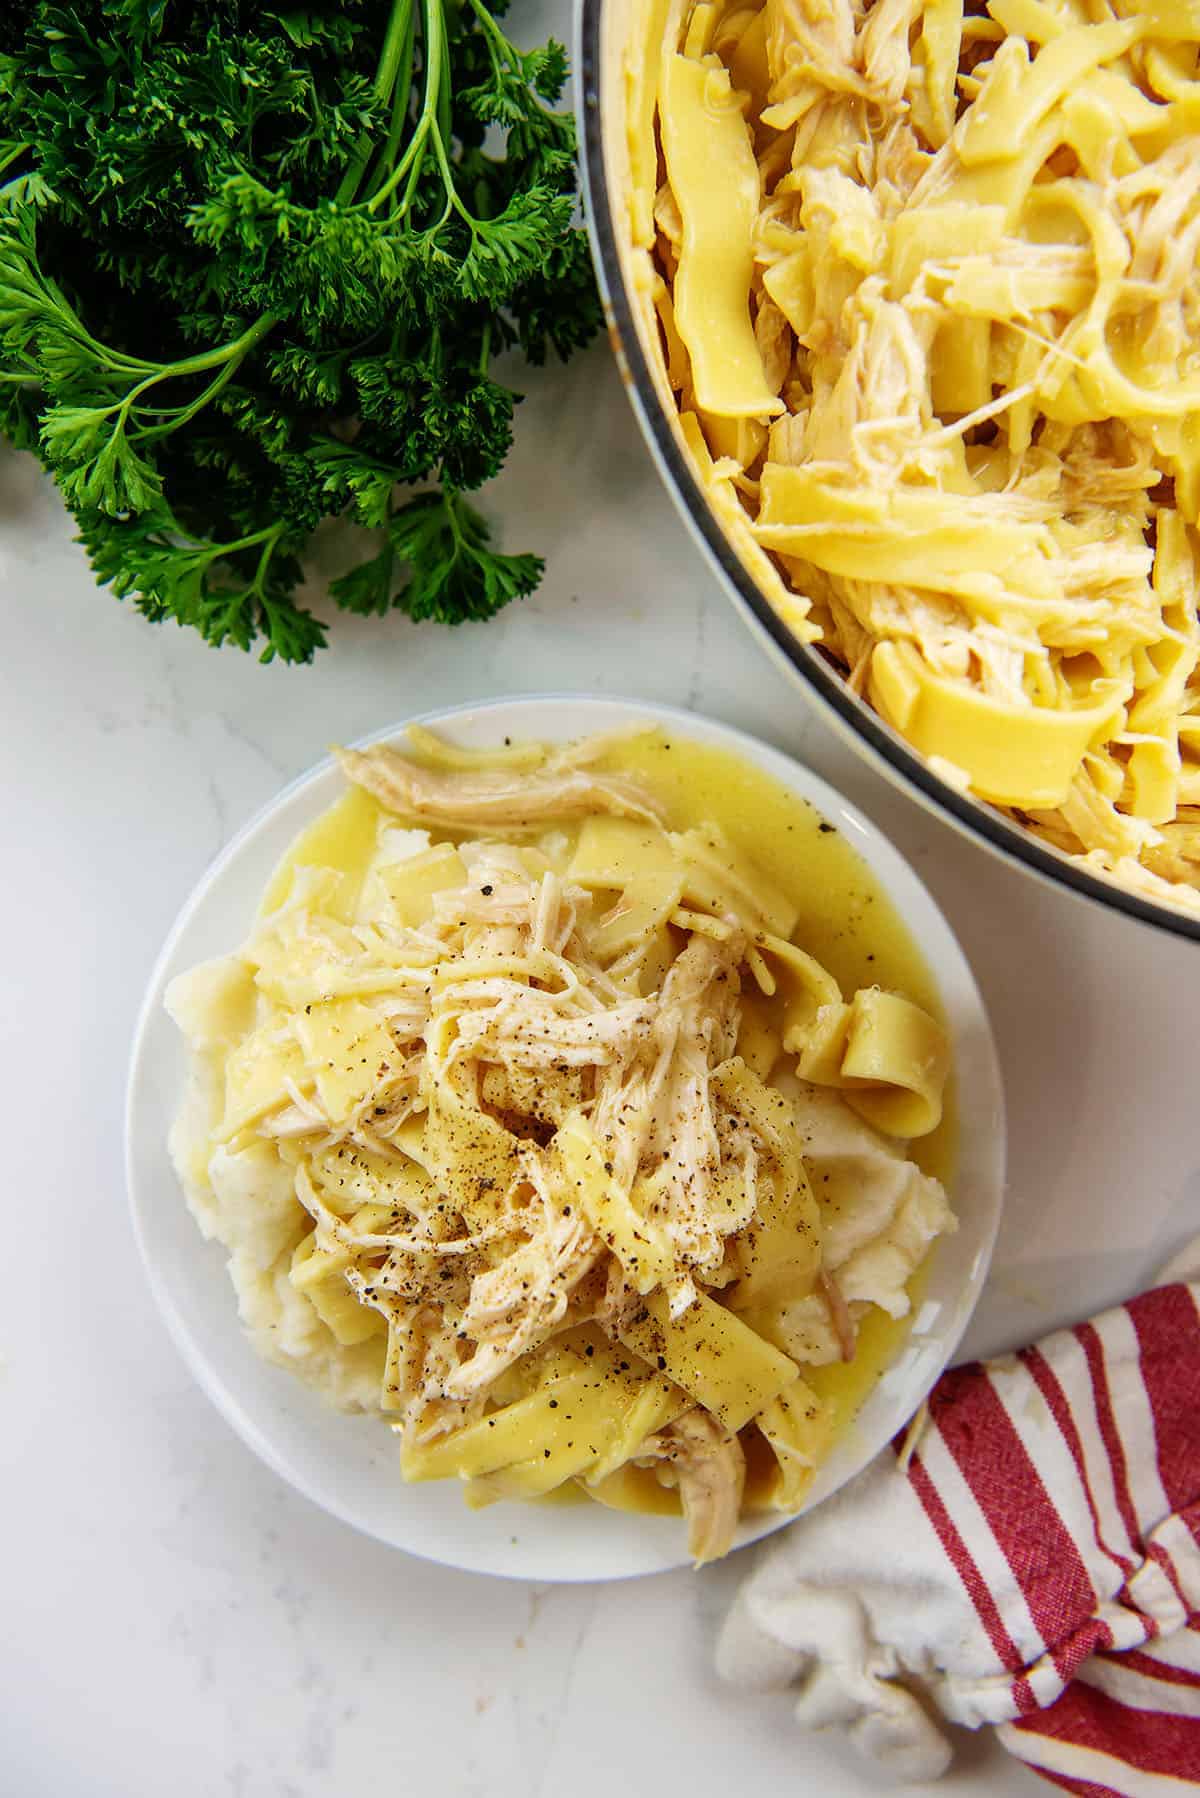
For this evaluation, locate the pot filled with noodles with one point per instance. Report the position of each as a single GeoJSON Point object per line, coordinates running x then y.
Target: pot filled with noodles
{"type": "Point", "coordinates": [909, 293]}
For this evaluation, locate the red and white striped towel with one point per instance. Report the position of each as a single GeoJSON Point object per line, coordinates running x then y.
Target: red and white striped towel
{"type": "Point", "coordinates": [1036, 1566]}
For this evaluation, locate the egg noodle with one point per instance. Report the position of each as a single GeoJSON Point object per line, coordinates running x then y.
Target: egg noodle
{"type": "Point", "coordinates": [511, 1113]}
{"type": "Point", "coordinates": [924, 283]}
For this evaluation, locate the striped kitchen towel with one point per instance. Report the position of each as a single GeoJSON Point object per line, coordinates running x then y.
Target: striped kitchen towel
{"type": "Point", "coordinates": [1033, 1564]}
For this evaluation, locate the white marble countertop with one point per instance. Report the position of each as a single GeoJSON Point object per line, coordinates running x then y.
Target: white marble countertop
{"type": "Point", "coordinates": [173, 1619]}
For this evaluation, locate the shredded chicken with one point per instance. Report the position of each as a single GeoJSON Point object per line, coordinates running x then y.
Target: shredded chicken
{"type": "Point", "coordinates": [656, 1115]}
{"type": "Point", "coordinates": [492, 799]}
{"type": "Point", "coordinates": [709, 1468]}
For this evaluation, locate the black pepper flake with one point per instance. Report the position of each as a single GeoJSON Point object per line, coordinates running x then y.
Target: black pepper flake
{"type": "Point", "coordinates": [662, 1363]}
{"type": "Point", "coordinates": [487, 891]}
{"type": "Point", "coordinates": [825, 828]}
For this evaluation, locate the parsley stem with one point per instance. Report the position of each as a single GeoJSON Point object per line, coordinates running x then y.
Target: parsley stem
{"type": "Point", "coordinates": [435, 101]}
{"type": "Point", "coordinates": [391, 56]}
{"type": "Point", "coordinates": [227, 356]}
{"type": "Point", "coordinates": [409, 164]}
{"type": "Point", "coordinates": [450, 500]}
{"type": "Point", "coordinates": [225, 352]}
{"type": "Point", "coordinates": [493, 30]}
{"type": "Point", "coordinates": [270, 544]}
{"type": "Point", "coordinates": [269, 531]}
{"type": "Point", "coordinates": [452, 200]}
{"type": "Point", "coordinates": [211, 552]}
{"type": "Point", "coordinates": [15, 150]}
{"type": "Point", "coordinates": [439, 61]}
{"type": "Point", "coordinates": [401, 100]}
{"type": "Point", "coordinates": [175, 416]}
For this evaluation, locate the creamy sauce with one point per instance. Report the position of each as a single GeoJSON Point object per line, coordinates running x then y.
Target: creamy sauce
{"type": "Point", "coordinates": [846, 921]}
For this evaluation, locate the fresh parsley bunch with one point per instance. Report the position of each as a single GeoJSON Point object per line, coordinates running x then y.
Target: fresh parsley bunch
{"type": "Point", "coordinates": [255, 265]}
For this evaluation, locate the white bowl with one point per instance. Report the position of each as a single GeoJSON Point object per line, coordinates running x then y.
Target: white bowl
{"type": "Point", "coordinates": [350, 1465]}
{"type": "Point", "coordinates": [604, 29]}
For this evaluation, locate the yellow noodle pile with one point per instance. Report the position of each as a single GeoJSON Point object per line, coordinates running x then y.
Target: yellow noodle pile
{"type": "Point", "coordinates": [925, 280]}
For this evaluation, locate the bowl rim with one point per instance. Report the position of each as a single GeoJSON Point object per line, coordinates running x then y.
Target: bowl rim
{"type": "Point", "coordinates": [854, 720]}
{"type": "Point", "coordinates": [989, 1156]}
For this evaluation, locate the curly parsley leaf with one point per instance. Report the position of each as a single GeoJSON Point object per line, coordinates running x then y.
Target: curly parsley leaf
{"type": "Point", "coordinates": [255, 262]}
{"type": "Point", "coordinates": [453, 573]}
{"type": "Point", "coordinates": [231, 592]}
